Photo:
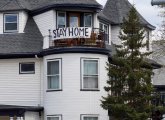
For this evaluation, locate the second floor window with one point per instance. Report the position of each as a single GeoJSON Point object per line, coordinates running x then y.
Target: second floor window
{"type": "Point", "coordinates": [87, 20]}
{"type": "Point", "coordinates": [10, 22]}
{"type": "Point", "coordinates": [54, 74]}
{"type": "Point", "coordinates": [61, 19]}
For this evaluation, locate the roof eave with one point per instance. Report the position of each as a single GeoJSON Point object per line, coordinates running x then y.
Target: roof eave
{"type": "Point", "coordinates": [96, 8]}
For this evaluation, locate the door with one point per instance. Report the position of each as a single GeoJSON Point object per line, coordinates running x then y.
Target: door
{"type": "Point", "coordinates": [74, 19]}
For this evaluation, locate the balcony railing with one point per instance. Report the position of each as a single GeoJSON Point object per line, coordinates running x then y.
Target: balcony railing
{"type": "Point", "coordinates": [97, 39]}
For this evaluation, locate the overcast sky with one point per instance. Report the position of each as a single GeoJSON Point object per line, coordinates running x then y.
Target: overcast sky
{"type": "Point", "coordinates": [150, 13]}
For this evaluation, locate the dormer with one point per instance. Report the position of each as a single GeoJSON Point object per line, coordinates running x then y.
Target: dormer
{"type": "Point", "coordinates": [13, 17]}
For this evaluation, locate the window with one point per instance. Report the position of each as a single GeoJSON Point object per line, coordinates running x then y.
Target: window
{"type": "Point", "coordinates": [90, 76]}
{"type": "Point", "coordinates": [147, 41]}
{"type": "Point", "coordinates": [87, 20]}
{"type": "Point", "coordinates": [54, 74]}
{"type": "Point", "coordinates": [58, 117]}
{"type": "Point", "coordinates": [105, 28]}
{"type": "Point", "coordinates": [10, 22]}
{"type": "Point", "coordinates": [89, 117]}
{"type": "Point", "coordinates": [61, 19]}
{"type": "Point", "coordinates": [27, 68]}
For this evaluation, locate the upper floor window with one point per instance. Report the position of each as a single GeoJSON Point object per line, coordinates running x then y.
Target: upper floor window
{"type": "Point", "coordinates": [90, 74]}
{"type": "Point", "coordinates": [54, 74]}
{"type": "Point", "coordinates": [105, 28]}
{"type": "Point", "coordinates": [10, 22]}
{"type": "Point", "coordinates": [148, 41]}
{"type": "Point", "coordinates": [61, 19]}
{"type": "Point", "coordinates": [87, 20]}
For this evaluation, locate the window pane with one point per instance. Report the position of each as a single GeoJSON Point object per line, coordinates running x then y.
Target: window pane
{"type": "Point", "coordinates": [27, 67]}
{"type": "Point", "coordinates": [11, 18]}
{"type": "Point", "coordinates": [101, 26]}
{"type": "Point", "coordinates": [91, 82]}
{"type": "Point", "coordinates": [53, 67]}
{"type": "Point", "coordinates": [73, 21]}
{"type": "Point", "coordinates": [88, 20]}
{"type": "Point", "coordinates": [90, 67]}
{"type": "Point", "coordinates": [10, 26]}
{"type": "Point", "coordinates": [61, 20]}
{"type": "Point", "coordinates": [53, 82]}
{"type": "Point", "coordinates": [53, 118]}
{"type": "Point", "coordinates": [90, 118]}
{"type": "Point", "coordinates": [105, 28]}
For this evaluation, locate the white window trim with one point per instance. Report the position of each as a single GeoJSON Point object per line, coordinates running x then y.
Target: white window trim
{"type": "Point", "coordinates": [82, 69]}
{"type": "Point", "coordinates": [89, 115]}
{"type": "Point", "coordinates": [54, 116]}
{"type": "Point", "coordinates": [60, 73]}
{"type": "Point", "coordinates": [91, 19]}
{"type": "Point", "coordinates": [28, 72]}
{"type": "Point", "coordinates": [4, 22]}
{"type": "Point", "coordinates": [58, 18]}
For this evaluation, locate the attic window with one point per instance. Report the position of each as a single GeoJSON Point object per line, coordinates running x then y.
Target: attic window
{"type": "Point", "coordinates": [10, 22]}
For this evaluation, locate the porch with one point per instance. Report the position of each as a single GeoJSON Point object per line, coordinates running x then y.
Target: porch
{"type": "Point", "coordinates": [95, 38]}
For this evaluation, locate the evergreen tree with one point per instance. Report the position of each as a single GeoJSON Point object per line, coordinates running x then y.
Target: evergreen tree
{"type": "Point", "coordinates": [129, 86]}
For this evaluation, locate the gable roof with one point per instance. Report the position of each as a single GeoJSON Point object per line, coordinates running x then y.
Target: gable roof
{"type": "Point", "coordinates": [116, 10]}
{"type": "Point", "coordinates": [31, 5]}
{"type": "Point", "coordinates": [28, 42]}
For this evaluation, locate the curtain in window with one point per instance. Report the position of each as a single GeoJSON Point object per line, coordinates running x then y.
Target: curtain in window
{"type": "Point", "coordinates": [90, 79]}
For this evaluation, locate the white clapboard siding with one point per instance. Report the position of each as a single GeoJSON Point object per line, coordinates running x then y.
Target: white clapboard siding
{"type": "Point", "coordinates": [20, 89]}
{"type": "Point", "coordinates": [46, 21]}
{"type": "Point", "coordinates": [71, 102]}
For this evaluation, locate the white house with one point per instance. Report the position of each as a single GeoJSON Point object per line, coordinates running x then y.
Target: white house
{"type": "Point", "coordinates": [53, 55]}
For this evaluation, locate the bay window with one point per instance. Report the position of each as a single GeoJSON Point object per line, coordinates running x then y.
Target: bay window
{"type": "Point", "coordinates": [54, 74]}
{"type": "Point", "coordinates": [90, 74]}
{"type": "Point", "coordinates": [10, 22]}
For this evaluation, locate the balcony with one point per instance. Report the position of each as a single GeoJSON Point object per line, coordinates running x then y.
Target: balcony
{"type": "Point", "coordinates": [83, 36]}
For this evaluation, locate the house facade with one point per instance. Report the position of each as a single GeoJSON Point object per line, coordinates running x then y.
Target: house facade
{"type": "Point", "coordinates": [53, 55]}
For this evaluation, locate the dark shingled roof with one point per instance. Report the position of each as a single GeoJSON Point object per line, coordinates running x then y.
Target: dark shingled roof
{"type": "Point", "coordinates": [30, 41]}
{"type": "Point", "coordinates": [116, 10]}
{"type": "Point", "coordinates": [38, 4]}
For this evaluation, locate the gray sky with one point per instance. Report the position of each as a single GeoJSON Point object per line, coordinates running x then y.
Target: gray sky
{"type": "Point", "coordinates": [150, 13]}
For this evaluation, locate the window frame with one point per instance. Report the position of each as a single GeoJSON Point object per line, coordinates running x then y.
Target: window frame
{"type": "Point", "coordinates": [103, 25]}
{"type": "Point", "coordinates": [54, 116]}
{"type": "Point", "coordinates": [60, 74]}
{"type": "Point", "coordinates": [82, 74]}
{"type": "Point", "coordinates": [147, 40]}
{"type": "Point", "coordinates": [91, 19]}
{"type": "Point", "coordinates": [4, 23]}
{"type": "Point", "coordinates": [89, 115]}
{"type": "Point", "coordinates": [30, 72]}
{"type": "Point", "coordinates": [57, 18]}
